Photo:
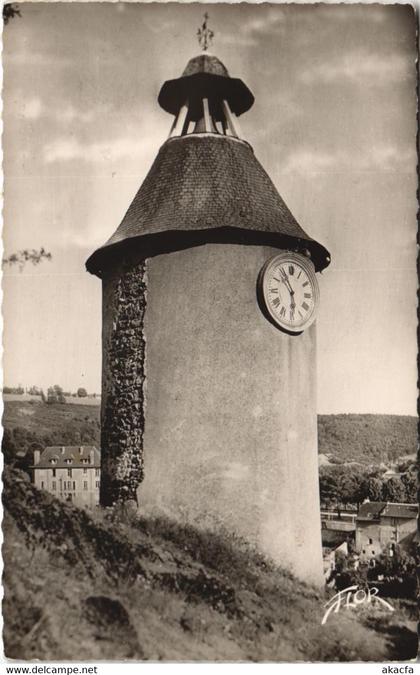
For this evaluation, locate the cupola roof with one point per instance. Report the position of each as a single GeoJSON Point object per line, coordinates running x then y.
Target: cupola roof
{"type": "Point", "coordinates": [205, 76]}
{"type": "Point", "coordinates": [205, 63]}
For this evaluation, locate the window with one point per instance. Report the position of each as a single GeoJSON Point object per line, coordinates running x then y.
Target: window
{"type": "Point", "coordinates": [373, 552]}
{"type": "Point", "coordinates": [74, 485]}
{"type": "Point", "coordinates": [54, 472]}
{"type": "Point", "coordinates": [42, 484]}
{"type": "Point", "coordinates": [97, 472]}
{"type": "Point", "coordinates": [69, 472]}
{"type": "Point", "coordinates": [54, 485]}
{"type": "Point", "coordinates": [85, 485]}
{"type": "Point", "coordinates": [97, 483]}
{"type": "Point", "coordinates": [364, 551]}
{"type": "Point", "coordinates": [370, 541]}
{"type": "Point", "coordinates": [84, 470]}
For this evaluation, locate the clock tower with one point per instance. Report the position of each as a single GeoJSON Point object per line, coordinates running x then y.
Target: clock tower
{"type": "Point", "coordinates": [209, 353]}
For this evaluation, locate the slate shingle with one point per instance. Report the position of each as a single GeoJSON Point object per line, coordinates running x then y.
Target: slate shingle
{"type": "Point", "coordinates": [201, 183]}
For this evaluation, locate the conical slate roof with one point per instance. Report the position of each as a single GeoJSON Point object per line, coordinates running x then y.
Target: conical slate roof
{"type": "Point", "coordinates": [201, 188]}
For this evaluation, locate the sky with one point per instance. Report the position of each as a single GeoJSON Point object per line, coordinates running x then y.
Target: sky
{"type": "Point", "coordinates": [333, 124]}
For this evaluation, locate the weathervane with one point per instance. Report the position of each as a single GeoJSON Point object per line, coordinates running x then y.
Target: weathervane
{"type": "Point", "coordinates": [205, 35]}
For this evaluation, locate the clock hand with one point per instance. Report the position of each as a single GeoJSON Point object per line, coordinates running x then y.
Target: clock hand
{"type": "Point", "coordinates": [286, 281]}
{"type": "Point", "coordinates": [292, 311]}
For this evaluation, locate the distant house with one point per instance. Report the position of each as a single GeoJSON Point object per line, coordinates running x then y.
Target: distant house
{"type": "Point", "coordinates": [71, 473]}
{"type": "Point", "coordinates": [380, 526]}
{"type": "Point", "coordinates": [329, 558]}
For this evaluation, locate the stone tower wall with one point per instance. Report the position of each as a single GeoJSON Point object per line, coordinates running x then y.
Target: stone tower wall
{"type": "Point", "coordinates": [231, 426]}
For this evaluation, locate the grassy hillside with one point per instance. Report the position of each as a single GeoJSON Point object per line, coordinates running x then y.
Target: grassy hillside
{"type": "Point", "coordinates": [362, 438]}
{"type": "Point", "coordinates": [54, 424]}
{"type": "Point", "coordinates": [367, 438]}
{"type": "Point", "coordinates": [80, 586]}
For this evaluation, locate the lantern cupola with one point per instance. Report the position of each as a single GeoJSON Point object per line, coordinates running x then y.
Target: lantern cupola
{"type": "Point", "coordinates": [205, 99]}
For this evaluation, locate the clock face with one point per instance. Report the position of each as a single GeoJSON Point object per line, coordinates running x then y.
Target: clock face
{"type": "Point", "coordinates": [289, 291]}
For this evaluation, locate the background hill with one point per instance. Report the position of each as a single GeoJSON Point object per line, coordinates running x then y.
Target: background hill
{"type": "Point", "coordinates": [368, 439]}
{"type": "Point", "coordinates": [118, 587]}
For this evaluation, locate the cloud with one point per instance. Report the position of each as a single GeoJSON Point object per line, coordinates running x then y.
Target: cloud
{"type": "Point", "coordinates": [388, 158]}
{"type": "Point", "coordinates": [31, 109]}
{"type": "Point", "coordinates": [32, 59]}
{"type": "Point", "coordinates": [71, 114]}
{"type": "Point", "coordinates": [252, 30]}
{"type": "Point", "coordinates": [380, 158]}
{"type": "Point", "coordinates": [308, 161]}
{"type": "Point", "coordinates": [66, 149]}
{"type": "Point", "coordinates": [360, 67]}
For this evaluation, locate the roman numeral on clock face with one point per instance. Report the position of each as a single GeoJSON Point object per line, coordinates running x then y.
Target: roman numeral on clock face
{"type": "Point", "coordinates": [305, 306]}
{"type": "Point", "coordinates": [283, 311]}
{"type": "Point", "coordinates": [276, 302]}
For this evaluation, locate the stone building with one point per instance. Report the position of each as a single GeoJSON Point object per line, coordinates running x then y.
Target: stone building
{"type": "Point", "coordinates": [71, 473]}
{"type": "Point", "coordinates": [380, 526]}
{"type": "Point", "coordinates": [208, 394]}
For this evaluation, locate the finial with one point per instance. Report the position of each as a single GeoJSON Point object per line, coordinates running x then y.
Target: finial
{"type": "Point", "coordinates": [205, 34]}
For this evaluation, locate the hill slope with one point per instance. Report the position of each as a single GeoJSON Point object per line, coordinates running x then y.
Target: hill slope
{"type": "Point", "coordinates": [80, 587]}
{"type": "Point", "coordinates": [362, 438]}
{"type": "Point", "coordinates": [367, 438]}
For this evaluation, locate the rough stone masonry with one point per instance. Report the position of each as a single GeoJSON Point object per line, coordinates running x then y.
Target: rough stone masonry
{"type": "Point", "coordinates": [123, 373]}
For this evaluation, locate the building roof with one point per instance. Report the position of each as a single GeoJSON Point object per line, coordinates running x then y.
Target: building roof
{"type": "Point", "coordinates": [370, 510]}
{"type": "Point", "coordinates": [393, 510]}
{"type": "Point", "coordinates": [376, 510]}
{"type": "Point", "coordinates": [205, 188]}
{"type": "Point", "coordinates": [74, 453]}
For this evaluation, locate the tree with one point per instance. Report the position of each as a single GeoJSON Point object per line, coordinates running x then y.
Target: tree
{"type": "Point", "coordinates": [51, 395]}
{"type": "Point", "coordinates": [27, 255]}
{"type": "Point", "coordinates": [393, 490]}
{"type": "Point", "coordinates": [81, 392]}
{"type": "Point", "coordinates": [371, 488]}
{"type": "Point", "coordinates": [8, 446]}
{"type": "Point", "coordinates": [55, 394]}
{"type": "Point", "coordinates": [410, 484]}
{"type": "Point", "coordinates": [10, 10]}
{"type": "Point", "coordinates": [327, 485]}
{"type": "Point", "coordinates": [348, 488]}
{"type": "Point", "coordinates": [60, 394]}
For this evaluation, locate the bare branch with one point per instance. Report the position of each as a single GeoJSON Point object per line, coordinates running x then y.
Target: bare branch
{"type": "Point", "coordinates": [27, 255]}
